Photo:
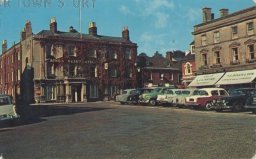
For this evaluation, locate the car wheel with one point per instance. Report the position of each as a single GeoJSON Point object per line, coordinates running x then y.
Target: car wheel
{"type": "Point", "coordinates": [237, 107]}
{"type": "Point", "coordinates": [122, 103]}
{"type": "Point", "coordinates": [152, 102]}
{"type": "Point", "coordinates": [208, 106]}
{"type": "Point", "coordinates": [254, 111]}
{"type": "Point", "coordinates": [218, 110]}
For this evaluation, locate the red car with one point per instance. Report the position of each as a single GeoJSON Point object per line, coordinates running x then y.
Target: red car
{"type": "Point", "coordinates": [203, 98]}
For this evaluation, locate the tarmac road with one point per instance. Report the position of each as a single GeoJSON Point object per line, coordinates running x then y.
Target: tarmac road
{"type": "Point", "coordinates": [107, 130]}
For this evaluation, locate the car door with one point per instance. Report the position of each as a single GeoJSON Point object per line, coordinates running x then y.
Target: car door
{"type": "Point", "coordinates": [6, 106]}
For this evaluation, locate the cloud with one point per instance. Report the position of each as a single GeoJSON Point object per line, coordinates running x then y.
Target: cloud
{"type": "Point", "coordinates": [125, 10]}
{"type": "Point", "coordinates": [153, 42]}
{"type": "Point", "coordinates": [192, 14]}
{"type": "Point", "coordinates": [162, 20]}
{"type": "Point", "coordinates": [152, 6]}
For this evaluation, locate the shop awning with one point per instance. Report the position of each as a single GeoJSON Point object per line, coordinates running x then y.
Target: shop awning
{"type": "Point", "coordinates": [237, 77]}
{"type": "Point", "coordinates": [206, 80]}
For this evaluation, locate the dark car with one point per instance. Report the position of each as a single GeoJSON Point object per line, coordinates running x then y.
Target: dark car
{"type": "Point", "coordinates": [235, 101]}
{"type": "Point", "coordinates": [251, 104]}
{"type": "Point", "coordinates": [134, 98]}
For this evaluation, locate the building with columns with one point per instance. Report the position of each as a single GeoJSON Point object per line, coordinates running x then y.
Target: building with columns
{"type": "Point", "coordinates": [70, 66]}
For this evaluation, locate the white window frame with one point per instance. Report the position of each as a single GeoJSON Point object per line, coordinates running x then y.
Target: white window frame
{"type": "Point", "coordinates": [235, 54]}
{"type": "Point", "coordinates": [216, 37]}
{"type": "Point", "coordinates": [234, 32]}
{"type": "Point", "coordinates": [251, 52]}
{"type": "Point", "coordinates": [217, 57]}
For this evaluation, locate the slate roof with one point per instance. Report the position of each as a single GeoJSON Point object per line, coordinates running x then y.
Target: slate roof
{"type": "Point", "coordinates": [189, 56]}
{"type": "Point", "coordinates": [77, 35]}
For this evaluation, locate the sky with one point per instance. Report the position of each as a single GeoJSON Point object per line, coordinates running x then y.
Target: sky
{"type": "Point", "coordinates": [155, 25]}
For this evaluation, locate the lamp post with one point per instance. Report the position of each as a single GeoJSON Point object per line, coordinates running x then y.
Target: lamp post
{"type": "Point", "coordinates": [140, 75]}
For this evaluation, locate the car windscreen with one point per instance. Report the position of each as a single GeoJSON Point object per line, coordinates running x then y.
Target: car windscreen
{"type": "Point", "coordinates": [4, 101]}
{"type": "Point", "coordinates": [185, 92]}
{"type": "Point", "coordinates": [178, 92]}
{"type": "Point", "coordinates": [196, 92]}
{"type": "Point", "coordinates": [124, 92]}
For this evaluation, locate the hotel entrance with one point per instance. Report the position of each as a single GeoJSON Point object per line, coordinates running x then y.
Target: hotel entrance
{"type": "Point", "coordinates": [76, 91]}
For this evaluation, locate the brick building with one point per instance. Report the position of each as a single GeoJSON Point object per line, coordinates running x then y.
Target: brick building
{"type": "Point", "coordinates": [188, 67]}
{"type": "Point", "coordinates": [74, 67]}
{"type": "Point", "coordinates": [10, 70]}
{"type": "Point", "coordinates": [225, 48]}
{"type": "Point", "coordinates": [158, 70]}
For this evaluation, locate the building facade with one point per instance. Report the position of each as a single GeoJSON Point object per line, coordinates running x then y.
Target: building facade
{"type": "Point", "coordinates": [75, 67]}
{"type": "Point", "coordinates": [10, 70]}
{"type": "Point", "coordinates": [226, 44]}
{"type": "Point", "coordinates": [158, 70]}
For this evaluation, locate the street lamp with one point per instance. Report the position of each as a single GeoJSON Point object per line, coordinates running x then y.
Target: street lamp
{"type": "Point", "coordinates": [140, 73]}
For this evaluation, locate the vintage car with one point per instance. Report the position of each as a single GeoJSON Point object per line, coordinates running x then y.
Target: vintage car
{"type": "Point", "coordinates": [124, 97]}
{"type": "Point", "coordinates": [203, 98]}
{"type": "Point", "coordinates": [150, 98]}
{"type": "Point", "coordinates": [180, 98]}
{"type": "Point", "coordinates": [163, 98]}
{"type": "Point", "coordinates": [7, 109]}
{"type": "Point", "coordinates": [235, 101]}
{"type": "Point", "coordinates": [134, 98]}
{"type": "Point", "coordinates": [250, 104]}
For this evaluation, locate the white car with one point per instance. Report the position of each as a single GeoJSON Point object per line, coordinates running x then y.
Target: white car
{"type": "Point", "coordinates": [163, 97]}
{"type": "Point", "coordinates": [7, 108]}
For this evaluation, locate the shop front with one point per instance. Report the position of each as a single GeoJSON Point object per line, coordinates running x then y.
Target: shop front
{"type": "Point", "coordinates": [238, 79]}
{"type": "Point", "coordinates": [207, 80]}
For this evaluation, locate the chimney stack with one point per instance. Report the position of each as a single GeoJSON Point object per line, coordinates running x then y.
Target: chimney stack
{"type": "Point", "coordinates": [125, 33]}
{"type": "Point", "coordinates": [23, 34]}
{"type": "Point", "coordinates": [207, 15]}
{"type": "Point", "coordinates": [92, 29]}
{"type": "Point", "coordinates": [4, 46]}
{"type": "Point", "coordinates": [28, 29]}
{"type": "Point", "coordinates": [223, 12]}
{"type": "Point", "coordinates": [53, 25]}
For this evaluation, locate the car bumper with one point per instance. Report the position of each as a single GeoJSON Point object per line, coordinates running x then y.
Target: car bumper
{"type": "Point", "coordinates": [250, 106]}
{"type": "Point", "coordinates": [220, 106]}
{"type": "Point", "coordinates": [9, 117]}
{"type": "Point", "coordinates": [143, 101]}
{"type": "Point", "coordinates": [192, 104]}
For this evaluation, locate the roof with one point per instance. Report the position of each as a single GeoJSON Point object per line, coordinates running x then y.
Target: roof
{"type": "Point", "coordinates": [161, 68]}
{"type": "Point", "coordinates": [228, 16]}
{"type": "Point", "coordinates": [77, 35]}
{"type": "Point", "coordinates": [189, 56]}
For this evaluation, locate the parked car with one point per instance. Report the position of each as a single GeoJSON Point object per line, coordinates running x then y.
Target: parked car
{"type": "Point", "coordinates": [150, 98]}
{"type": "Point", "coordinates": [250, 103]}
{"type": "Point", "coordinates": [203, 98]}
{"type": "Point", "coordinates": [134, 98]}
{"type": "Point", "coordinates": [124, 97]}
{"type": "Point", "coordinates": [179, 99]}
{"type": "Point", "coordinates": [164, 96]}
{"type": "Point", "coordinates": [235, 101]}
{"type": "Point", "coordinates": [7, 109]}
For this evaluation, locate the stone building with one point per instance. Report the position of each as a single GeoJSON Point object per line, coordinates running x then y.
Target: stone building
{"type": "Point", "coordinates": [75, 67]}
{"type": "Point", "coordinates": [188, 66]}
{"type": "Point", "coordinates": [225, 47]}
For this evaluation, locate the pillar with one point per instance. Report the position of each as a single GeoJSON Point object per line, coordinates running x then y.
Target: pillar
{"type": "Point", "coordinates": [67, 92]}
{"type": "Point", "coordinates": [83, 93]}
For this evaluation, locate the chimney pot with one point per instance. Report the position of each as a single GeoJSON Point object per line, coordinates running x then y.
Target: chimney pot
{"type": "Point", "coordinates": [125, 33]}
{"type": "Point", "coordinates": [223, 12]}
{"type": "Point", "coordinates": [53, 25]}
{"type": "Point", "coordinates": [92, 29]}
{"type": "Point", "coordinates": [4, 46]}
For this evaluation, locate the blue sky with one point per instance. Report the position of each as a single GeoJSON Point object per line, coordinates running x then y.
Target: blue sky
{"type": "Point", "coordinates": [155, 25]}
